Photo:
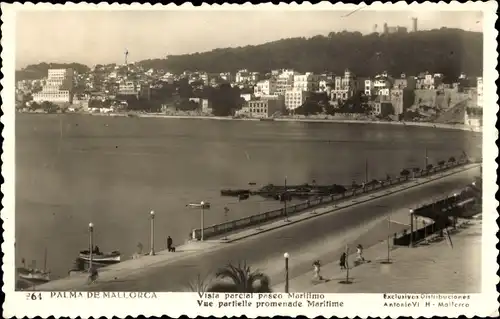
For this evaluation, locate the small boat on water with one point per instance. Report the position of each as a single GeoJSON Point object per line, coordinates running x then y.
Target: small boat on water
{"type": "Point", "coordinates": [33, 275]}
{"type": "Point", "coordinates": [199, 205]}
{"type": "Point", "coordinates": [101, 258]}
{"type": "Point", "coordinates": [243, 196]}
{"type": "Point", "coordinates": [234, 192]}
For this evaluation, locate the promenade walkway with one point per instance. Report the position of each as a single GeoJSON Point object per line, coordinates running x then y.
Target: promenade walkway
{"type": "Point", "coordinates": [346, 221]}
{"type": "Point", "coordinates": [433, 268]}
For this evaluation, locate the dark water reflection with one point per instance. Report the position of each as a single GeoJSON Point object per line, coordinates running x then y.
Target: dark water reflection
{"type": "Point", "coordinates": [73, 169]}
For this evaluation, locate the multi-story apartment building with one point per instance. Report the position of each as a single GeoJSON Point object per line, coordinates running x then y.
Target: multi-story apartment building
{"type": "Point", "coordinates": [428, 81]}
{"type": "Point", "coordinates": [266, 87]}
{"type": "Point", "coordinates": [284, 81]}
{"type": "Point", "coordinates": [265, 107]}
{"type": "Point", "coordinates": [368, 87]}
{"type": "Point", "coordinates": [382, 85]}
{"type": "Point", "coordinates": [58, 87]}
{"type": "Point", "coordinates": [129, 88]}
{"type": "Point", "coordinates": [306, 82]}
{"type": "Point", "coordinates": [480, 92]}
{"type": "Point", "coordinates": [295, 98]}
{"type": "Point", "coordinates": [344, 86]}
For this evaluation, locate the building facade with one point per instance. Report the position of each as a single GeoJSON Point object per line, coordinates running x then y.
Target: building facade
{"type": "Point", "coordinates": [266, 87]}
{"type": "Point", "coordinates": [58, 87]}
{"type": "Point", "coordinates": [284, 81]}
{"type": "Point", "coordinates": [343, 86]}
{"type": "Point", "coordinates": [265, 107]}
{"type": "Point", "coordinates": [480, 92]}
{"type": "Point", "coordinates": [129, 88]}
{"type": "Point", "coordinates": [306, 82]}
{"type": "Point", "coordinates": [295, 98]}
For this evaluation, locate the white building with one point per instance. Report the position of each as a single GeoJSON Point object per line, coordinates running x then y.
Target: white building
{"type": "Point", "coordinates": [58, 87]}
{"type": "Point", "coordinates": [479, 92]}
{"type": "Point", "coordinates": [368, 90]}
{"type": "Point", "coordinates": [246, 96]}
{"type": "Point", "coordinates": [129, 88]}
{"type": "Point", "coordinates": [243, 76]}
{"type": "Point", "coordinates": [266, 87]}
{"type": "Point", "coordinates": [306, 82]}
{"type": "Point", "coordinates": [382, 85]}
{"type": "Point", "coordinates": [226, 76]}
{"type": "Point", "coordinates": [344, 86]}
{"type": "Point", "coordinates": [284, 81]}
{"type": "Point", "coordinates": [295, 98]}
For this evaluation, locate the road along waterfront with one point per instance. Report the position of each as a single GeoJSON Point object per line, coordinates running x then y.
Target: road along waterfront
{"type": "Point", "coordinates": [313, 238]}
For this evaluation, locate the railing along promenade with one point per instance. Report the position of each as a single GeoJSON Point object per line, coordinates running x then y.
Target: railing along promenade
{"type": "Point", "coordinates": [262, 218]}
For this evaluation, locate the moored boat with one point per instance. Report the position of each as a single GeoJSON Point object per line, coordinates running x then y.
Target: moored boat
{"type": "Point", "coordinates": [234, 192]}
{"type": "Point", "coordinates": [33, 275]}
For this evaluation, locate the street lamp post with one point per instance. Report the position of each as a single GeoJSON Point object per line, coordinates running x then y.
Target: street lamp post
{"type": "Point", "coordinates": [202, 220]}
{"type": "Point", "coordinates": [426, 158]}
{"type": "Point", "coordinates": [455, 195]}
{"type": "Point", "coordinates": [411, 227]}
{"type": "Point", "coordinates": [91, 244]}
{"type": "Point", "coordinates": [226, 210]}
{"type": "Point", "coordinates": [285, 199]}
{"type": "Point", "coordinates": [152, 252]}
{"type": "Point", "coordinates": [286, 255]}
{"type": "Point", "coordinates": [389, 239]}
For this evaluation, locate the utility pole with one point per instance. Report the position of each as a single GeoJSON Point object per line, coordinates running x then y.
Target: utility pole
{"type": "Point", "coordinates": [426, 158]}
{"type": "Point", "coordinates": [366, 171]}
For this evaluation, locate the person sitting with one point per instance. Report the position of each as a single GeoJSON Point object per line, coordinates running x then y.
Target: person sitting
{"type": "Point", "coordinates": [96, 250]}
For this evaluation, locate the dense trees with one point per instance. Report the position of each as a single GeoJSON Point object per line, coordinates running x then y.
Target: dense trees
{"type": "Point", "coordinates": [38, 71]}
{"type": "Point", "coordinates": [448, 51]}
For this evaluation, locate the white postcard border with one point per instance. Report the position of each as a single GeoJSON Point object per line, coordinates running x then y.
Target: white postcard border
{"type": "Point", "coordinates": [21, 304]}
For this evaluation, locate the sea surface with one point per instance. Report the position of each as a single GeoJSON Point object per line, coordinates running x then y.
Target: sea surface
{"type": "Point", "coordinates": [112, 171]}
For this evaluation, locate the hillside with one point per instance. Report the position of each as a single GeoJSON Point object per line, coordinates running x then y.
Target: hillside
{"type": "Point", "coordinates": [448, 51]}
{"type": "Point", "coordinates": [38, 71]}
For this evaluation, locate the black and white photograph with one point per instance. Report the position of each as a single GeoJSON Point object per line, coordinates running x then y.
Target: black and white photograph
{"type": "Point", "coordinates": [249, 160]}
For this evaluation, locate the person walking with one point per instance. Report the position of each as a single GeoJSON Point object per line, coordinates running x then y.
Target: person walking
{"type": "Point", "coordinates": [317, 270]}
{"type": "Point", "coordinates": [342, 262]}
{"type": "Point", "coordinates": [170, 246]}
{"type": "Point", "coordinates": [359, 251]}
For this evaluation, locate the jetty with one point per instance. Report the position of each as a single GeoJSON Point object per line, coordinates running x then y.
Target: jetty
{"type": "Point", "coordinates": [318, 196]}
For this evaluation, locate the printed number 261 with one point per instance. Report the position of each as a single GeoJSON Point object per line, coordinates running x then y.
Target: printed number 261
{"type": "Point", "coordinates": [34, 296]}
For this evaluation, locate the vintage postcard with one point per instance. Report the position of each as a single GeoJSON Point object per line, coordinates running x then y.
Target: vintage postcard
{"type": "Point", "coordinates": [317, 160]}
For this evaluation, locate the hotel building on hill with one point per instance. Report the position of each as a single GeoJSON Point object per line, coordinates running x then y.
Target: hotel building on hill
{"type": "Point", "coordinates": [58, 87]}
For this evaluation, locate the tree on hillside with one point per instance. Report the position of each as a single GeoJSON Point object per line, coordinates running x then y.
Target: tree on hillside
{"type": "Point", "coordinates": [449, 51]}
{"type": "Point", "coordinates": [225, 100]}
{"type": "Point", "coordinates": [49, 107]}
{"type": "Point", "coordinates": [309, 107]}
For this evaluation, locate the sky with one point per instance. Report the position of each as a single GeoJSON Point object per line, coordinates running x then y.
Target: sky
{"type": "Point", "coordinates": [92, 37]}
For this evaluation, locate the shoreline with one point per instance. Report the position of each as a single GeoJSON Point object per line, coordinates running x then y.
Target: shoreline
{"type": "Point", "coordinates": [461, 127]}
